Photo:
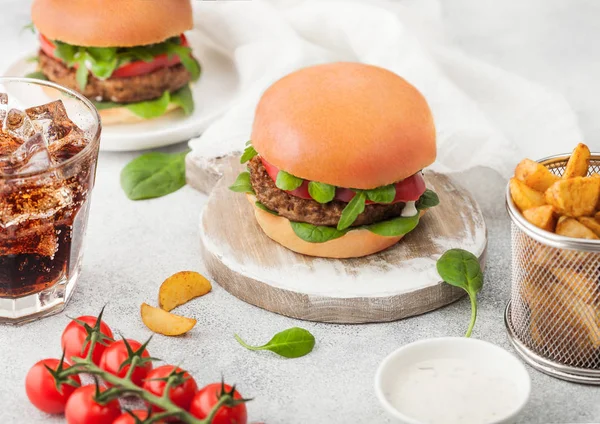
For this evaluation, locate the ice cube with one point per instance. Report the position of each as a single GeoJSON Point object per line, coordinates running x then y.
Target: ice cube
{"type": "Point", "coordinates": [33, 239]}
{"type": "Point", "coordinates": [59, 131]}
{"type": "Point", "coordinates": [18, 125]}
{"type": "Point", "coordinates": [31, 156]}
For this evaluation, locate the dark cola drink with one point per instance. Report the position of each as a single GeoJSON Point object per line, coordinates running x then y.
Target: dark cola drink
{"type": "Point", "coordinates": [46, 174]}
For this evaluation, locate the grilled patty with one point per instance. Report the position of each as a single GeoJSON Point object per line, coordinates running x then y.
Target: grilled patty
{"type": "Point", "coordinates": [120, 90]}
{"type": "Point", "coordinates": [308, 210]}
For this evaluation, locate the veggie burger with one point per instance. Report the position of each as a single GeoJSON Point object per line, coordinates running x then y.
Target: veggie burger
{"type": "Point", "coordinates": [334, 164]}
{"type": "Point", "coordinates": [128, 56]}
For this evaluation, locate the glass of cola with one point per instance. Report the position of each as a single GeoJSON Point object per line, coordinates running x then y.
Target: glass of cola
{"type": "Point", "coordinates": [49, 139]}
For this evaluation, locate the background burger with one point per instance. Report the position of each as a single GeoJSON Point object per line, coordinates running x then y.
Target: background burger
{"type": "Point", "coordinates": [335, 160]}
{"type": "Point", "coordinates": [129, 56]}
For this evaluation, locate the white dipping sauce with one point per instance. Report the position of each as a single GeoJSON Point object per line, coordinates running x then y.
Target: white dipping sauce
{"type": "Point", "coordinates": [409, 209]}
{"type": "Point", "coordinates": [453, 391]}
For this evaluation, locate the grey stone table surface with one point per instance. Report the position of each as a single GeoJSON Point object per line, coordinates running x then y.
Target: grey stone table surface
{"type": "Point", "coordinates": [133, 246]}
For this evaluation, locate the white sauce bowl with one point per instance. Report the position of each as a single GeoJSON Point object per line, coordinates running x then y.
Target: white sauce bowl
{"type": "Point", "coordinates": [452, 380]}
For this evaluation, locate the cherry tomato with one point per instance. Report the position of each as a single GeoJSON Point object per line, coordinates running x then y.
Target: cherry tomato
{"type": "Point", "coordinates": [126, 418]}
{"type": "Point", "coordinates": [208, 396]}
{"type": "Point", "coordinates": [41, 388]}
{"type": "Point", "coordinates": [116, 354]}
{"type": "Point", "coordinates": [180, 395]}
{"type": "Point", "coordinates": [83, 409]}
{"type": "Point", "coordinates": [73, 338]}
{"type": "Point", "coordinates": [409, 189]}
{"type": "Point", "coordinates": [131, 69]}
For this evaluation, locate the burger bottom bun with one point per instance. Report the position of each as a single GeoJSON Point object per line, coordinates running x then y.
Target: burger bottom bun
{"type": "Point", "coordinates": [117, 115]}
{"type": "Point", "coordinates": [122, 115]}
{"type": "Point", "coordinates": [354, 244]}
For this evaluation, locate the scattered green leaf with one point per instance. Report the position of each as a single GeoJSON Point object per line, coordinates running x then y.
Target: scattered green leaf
{"type": "Point", "coordinates": [429, 199]}
{"type": "Point", "coordinates": [287, 181]}
{"type": "Point", "coordinates": [316, 233]}
{"type": "Point", "coordinates": [153, 175]}
{"type": "Point", "coordinates": [242, 184]}
{"type": "Point", "coordinates": [321, 192]}
{"type": "Point", "coordinates": [461, 268]}
{"type": "Point", "coordinates": [355, 207]}
{"type": "Point", "coordinates": [291, 343]}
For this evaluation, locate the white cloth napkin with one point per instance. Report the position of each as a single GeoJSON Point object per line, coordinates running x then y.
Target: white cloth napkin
{"type": "Point", "coordinates": [484, 116]}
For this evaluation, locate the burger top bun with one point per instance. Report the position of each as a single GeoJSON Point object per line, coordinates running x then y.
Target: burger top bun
{"type": "Point", "coordinates": [111, 23]}
{"type": "Point", "coordinates": [346, 124]}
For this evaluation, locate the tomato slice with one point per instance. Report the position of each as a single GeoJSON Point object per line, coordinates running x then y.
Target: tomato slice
{"type": "Point", "coordinates": [132, 69]}
{"type": "Point", "coordinates": [407, 190]}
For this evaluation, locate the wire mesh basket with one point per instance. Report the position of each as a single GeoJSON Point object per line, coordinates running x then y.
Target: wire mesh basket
{"type": "Point", "coordinates": [553, 317]}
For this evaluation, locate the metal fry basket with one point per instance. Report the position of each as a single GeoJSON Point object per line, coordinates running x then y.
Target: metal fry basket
{"type": "Point", "coordinates": [553, 317]}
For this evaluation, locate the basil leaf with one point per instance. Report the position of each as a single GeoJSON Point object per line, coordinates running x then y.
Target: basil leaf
{"type": "Point", "coordinates": [321, 192]}
{"type": "Point", "coordinates": [291, 343]}
{"type": "Point", "coordinates": [153, 175]}
{"type": "Point", "coordinates": [264, 208]}
{"type": "Point", "coordinates": [352, 210]}
{"type": "Point", "coordinates": [242, 184]}
{"type": "Point", "coordinates": [316, 234]}
{"type": "Point", "coordinates": [184, 99]}
{"type": "Point", "coordinates": [248, 154]}
{"type": "Point", "coordinates": [82, 73]}
{"type": "Point", "coordinates": [429, 199]}
{"type": "Point", "coordinates": [384, 194]}
{"type": "Point", "coordinates": [287, 181]}
{"type": "Point", "coordinates": [37, 75]}
{"type": "Point", "coordinates": [151, 108]}
{"type": "Point", "coordinates": [394, 227]}
{"type": "Point", "coordinates": [460, 268]}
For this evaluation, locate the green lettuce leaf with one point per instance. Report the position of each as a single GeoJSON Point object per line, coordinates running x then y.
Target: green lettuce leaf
{"type": "Point", "coordinates": [184, 99]}
{"type": "Point", "coordinates": [314, 233]}
{"type": "Point", "coordinates": [37, 75]}
{"type": "Point", "coordinates": [151, 108]}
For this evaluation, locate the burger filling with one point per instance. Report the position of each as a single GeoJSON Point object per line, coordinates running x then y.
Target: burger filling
{"type": "Point", "coordinates": [319, 212]}
{"type": "Point", "coordinates": [144, 79]}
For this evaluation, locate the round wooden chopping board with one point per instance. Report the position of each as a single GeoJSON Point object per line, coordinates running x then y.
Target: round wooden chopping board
{"type": "Point", "coordinates": [397, 283]}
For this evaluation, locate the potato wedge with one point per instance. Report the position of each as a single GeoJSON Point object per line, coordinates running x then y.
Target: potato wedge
{"type": "Point", "coordinates": [525, 197]}
{"type": "Point", "coordinates": [584, 286]}
{"type": "Point", "coordinates": [180, 288]}
{"type": "Point", "coordinates": [542, 217]}
{"type": "Point", "coordinates": [591, 223]}
{"type": "Point", "coordinates": [570, 227]}
{"type": "Point", "coordinates": [578, 163]}
{"type": "Point", "coordinates": [535, 175]}
{"type": "Point", "coordinates": [574, 197]}
{"type": "Point", "coordinates": [597, 216]}
{"type": "Point", "coordinates": [166, 323]}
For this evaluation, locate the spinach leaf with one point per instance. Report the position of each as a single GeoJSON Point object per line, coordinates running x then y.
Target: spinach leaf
{"type": "Point", "coordinates": [264, 208]}
{"type": "Point", "coordinates": [352, 210]}
{"type": "Point", "coordinates": [460, 268]}
{"type": "Point", "coordinates": [383, 194]}
{"type": "Point", "coordinates": [242, 184]}
{"type": "Point", "coordinates": [287, 181]}
{"type": "Point", "coordinates": [321, 192]}
{"type": "Point", "coordinates": [394, 227]}
{"type": "Point", "coordinates": [184, 99]}
{"type": "Point", "coordinates": [315, 234]}
{"type": "Point", "coordinates": [151, 108]}
{"type": "Point", "coordinates": [37, 75]}
{"type": "Point", "coordinates": [248, 154]}
{"type": "Point", "coordinates": [291, 343]}
{"type": "Point", "coordinates": [153, 175]}
{"type": "Point", "coordinates": [429, 199]}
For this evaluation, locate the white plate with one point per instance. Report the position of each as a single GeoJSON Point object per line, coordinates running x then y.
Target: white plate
{"type": "Point", "coordinates": [213, 92]}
